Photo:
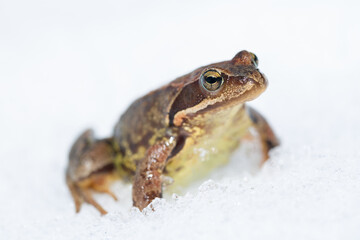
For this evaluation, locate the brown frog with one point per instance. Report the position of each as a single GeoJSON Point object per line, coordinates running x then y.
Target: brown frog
{"type": "Point", "coordinates": [180, 131]}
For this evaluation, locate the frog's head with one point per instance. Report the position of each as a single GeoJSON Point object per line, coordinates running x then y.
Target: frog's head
{"type": "Point", "coordinates": [219, 86]}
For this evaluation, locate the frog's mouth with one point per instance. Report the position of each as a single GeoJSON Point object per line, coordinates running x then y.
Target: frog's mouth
{"type": "Point", "coordinates": [250, 91]}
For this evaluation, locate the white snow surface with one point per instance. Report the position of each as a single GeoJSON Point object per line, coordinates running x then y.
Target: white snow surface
{"type": "Point", "coordinates": [69, 65]}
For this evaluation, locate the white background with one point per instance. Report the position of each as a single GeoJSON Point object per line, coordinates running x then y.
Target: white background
{"type": "Point", "coordinates": [69, 65]}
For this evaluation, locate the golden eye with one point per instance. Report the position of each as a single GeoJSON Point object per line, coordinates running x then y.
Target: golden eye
{"type": "Point", "coordinates": [254, 59]}
{"type": "Point", "coordinates": [211, 80]}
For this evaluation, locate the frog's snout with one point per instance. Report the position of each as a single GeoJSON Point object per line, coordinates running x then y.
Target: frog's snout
{"type": "Point", "coordinates": [256, 79]}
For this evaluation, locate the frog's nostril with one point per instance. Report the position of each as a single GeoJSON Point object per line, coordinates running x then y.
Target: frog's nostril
{"type": "Point", "coordinates": [250, 80]}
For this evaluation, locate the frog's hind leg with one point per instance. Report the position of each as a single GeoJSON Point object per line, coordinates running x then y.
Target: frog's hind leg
{"type": "Point", "coordinates": [90, 168]}
{"type": "Point", "coordinates": [267, 136]}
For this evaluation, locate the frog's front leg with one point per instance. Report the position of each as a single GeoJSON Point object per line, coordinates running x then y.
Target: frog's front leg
{"type": "Point", "coordinates": [267, 136]}
{"type": "Point", "coordinates": [147, 183]}
{"type": "Point", "coordinates": [90, 168]}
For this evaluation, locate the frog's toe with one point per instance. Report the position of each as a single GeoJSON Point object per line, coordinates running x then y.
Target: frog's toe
{"type": "Point", "coordinates": [110, 193]}
{"type": "Point", "coordinates": [82, 194]}
{"type": "Point", "coordinates": [90, 200]}
{"type": "Point", "coordinates": [78, 200]}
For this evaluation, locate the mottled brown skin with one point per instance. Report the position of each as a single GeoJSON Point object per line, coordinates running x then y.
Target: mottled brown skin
{"type": "Point", "coordinates": [182, 130]}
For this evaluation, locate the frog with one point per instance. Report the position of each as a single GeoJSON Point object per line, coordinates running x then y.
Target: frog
{"type": "Point", "coordinates": [174, 135]}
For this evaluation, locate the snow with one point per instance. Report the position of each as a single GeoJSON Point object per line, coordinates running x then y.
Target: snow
{"type": "Point", "coordinates": [69, 65]}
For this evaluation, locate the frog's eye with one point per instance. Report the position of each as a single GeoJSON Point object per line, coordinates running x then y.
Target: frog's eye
{"type": "Point", "coordinates": [211, 80]}
{"type": "Point", "coordinates": [254, 59]}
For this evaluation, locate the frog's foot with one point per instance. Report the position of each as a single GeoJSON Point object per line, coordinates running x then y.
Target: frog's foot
{"type": "Point", "coordinates": [267, 136]}
{"type": "Point", "coordinates": [90, 169]}
{"type": "Point", "coordinates": [81, 191]}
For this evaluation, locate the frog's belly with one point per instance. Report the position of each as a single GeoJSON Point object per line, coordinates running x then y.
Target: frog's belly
{"type": "Point", "coordinates": [198, 158]}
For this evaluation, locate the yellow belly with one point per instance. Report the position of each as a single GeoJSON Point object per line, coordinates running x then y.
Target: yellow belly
{"type": "Point", "coordinates": [206, 151]}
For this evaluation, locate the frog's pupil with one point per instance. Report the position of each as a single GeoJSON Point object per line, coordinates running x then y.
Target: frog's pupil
{"type": "Point", "coordinates": [213, 80]}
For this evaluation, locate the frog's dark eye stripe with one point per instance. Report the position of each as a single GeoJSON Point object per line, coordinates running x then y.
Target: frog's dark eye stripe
{"type": "Point", "coordinates": [211, 80]}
